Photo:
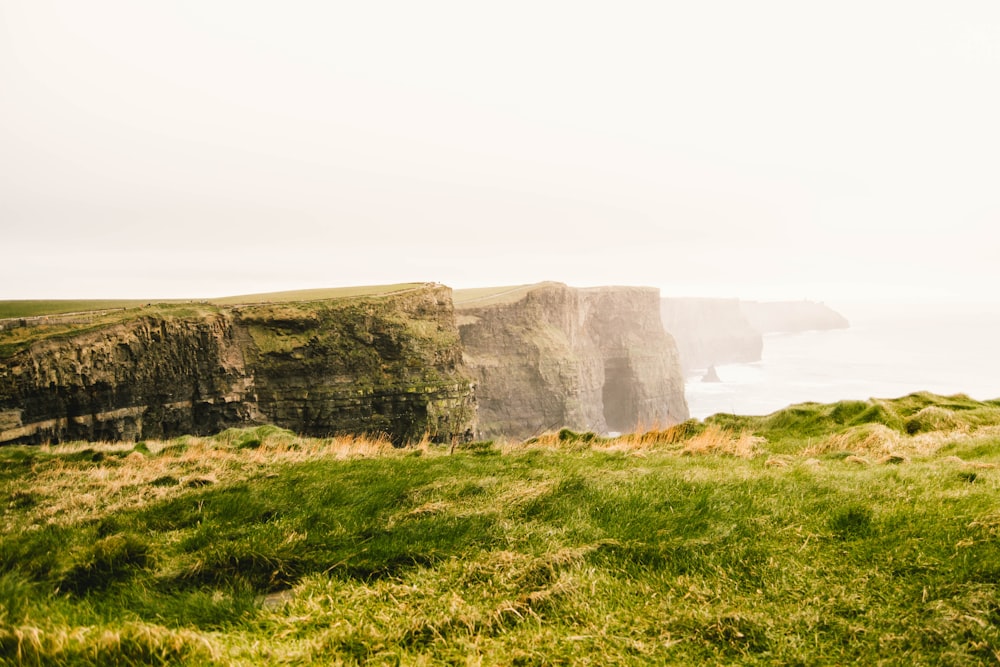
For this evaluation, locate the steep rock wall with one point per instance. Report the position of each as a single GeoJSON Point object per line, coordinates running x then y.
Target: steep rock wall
{"type": "Point", "coordinates": [550, 356]}
{"type": "Point", "coordinates": [384, 365]}
{"type": "Point", "coordinates": [710, 331]}
{"type": "Point", "coordinates": [146, 377]}
{"type": "Point", "coordinates": [388, 364]}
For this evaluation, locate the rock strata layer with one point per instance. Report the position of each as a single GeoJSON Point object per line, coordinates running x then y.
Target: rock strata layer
{"type": "Point", "coordinates": [548, 356]}
{"type": "Point", "coordinates": [381, 364]}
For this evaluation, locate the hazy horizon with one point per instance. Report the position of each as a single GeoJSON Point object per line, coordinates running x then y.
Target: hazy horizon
{"type": "Point", "coordinates": [770, 150]}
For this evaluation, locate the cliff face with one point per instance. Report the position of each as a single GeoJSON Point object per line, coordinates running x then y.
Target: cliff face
{"type": "Point", "coordinates": [643, 383]}
{"type": "Point", "coordinates": [791, 316]}
{"type": "Point", "coordinates": [145, 377]}
{"type": "Point", "coordinates": [385, 365]}
{"type": "Point", "coordinates": [549, 356]}
{"type": "Point", "coordinates": [389, 364]}
{"type": "Point", "coordinates": [710, 331]}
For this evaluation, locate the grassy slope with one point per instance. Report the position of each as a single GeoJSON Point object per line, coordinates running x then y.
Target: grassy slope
{"type": "Point", "coordinates": [732, 541]}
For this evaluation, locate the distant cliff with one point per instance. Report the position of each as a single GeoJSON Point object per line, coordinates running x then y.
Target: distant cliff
{"type": "Point", "coordinates": [710, 331]}
{"type": "Point", "coordinates": [370, 364]}
{"type": "Point", "coordinates": [548, 356]}
{"type": "Point", "coordinates": [726, 331]}
{"type": "Point", "coordinates": [791, 316]}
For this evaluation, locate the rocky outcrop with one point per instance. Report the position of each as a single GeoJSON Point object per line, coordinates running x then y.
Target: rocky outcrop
{"type": "Point", "coordinates": [548, 356]}
{"type": "Point", "coordinates": [711, 375]}
{"type": "Point", "coordinates": [710, 331]}
{"type": "Point", "coordinates": [791, 316]}
{"type": "Point", "coordinates": [380, 364]}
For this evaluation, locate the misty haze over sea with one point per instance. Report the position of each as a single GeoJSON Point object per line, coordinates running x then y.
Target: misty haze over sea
{"type": "Point", "coordinates": [889, 350]}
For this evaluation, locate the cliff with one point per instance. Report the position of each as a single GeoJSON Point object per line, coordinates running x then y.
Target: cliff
{"type": "Point", "coordinates": [725, 331]}
{"type": "Point", "coordinates": [387, 364]}
{"type": "Point", "coordinates": [791, 316]}
{"type": "Point", "coordinates": [710, 332]}
{"type": "Point", "coordinates": [548, 356]}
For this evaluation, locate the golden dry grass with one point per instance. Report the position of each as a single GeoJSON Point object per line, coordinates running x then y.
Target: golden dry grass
{"type": "Point", "coordinates": [879, 441]}
{"type": "Point", "coordinates": [147, 642]}
{"type": "Point", "coordinates": [72, 492]}
{"type": "Point", "coordinates": [874, 439]}
{"type": "Point", "coordinates": [715, 440]}
{"type": "Point", "coordinates": [654, 437]}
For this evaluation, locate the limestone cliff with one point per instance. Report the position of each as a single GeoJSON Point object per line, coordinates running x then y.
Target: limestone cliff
{"type": "Point", "coordinates": [710, 331]}
{"type": "Point", "coordinates": [791, 316]}
{"type": "Point", "coordinates": [548, 356]}
{"type": "Point", "coordinates": [388, 364]}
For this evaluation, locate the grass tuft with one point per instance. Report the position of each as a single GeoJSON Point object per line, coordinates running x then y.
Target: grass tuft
{"type": "Point", "coordinates": [108, 560]}
{"type": "Point", "coordinates": [715, 440]}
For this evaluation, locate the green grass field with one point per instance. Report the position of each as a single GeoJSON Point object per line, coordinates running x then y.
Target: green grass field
{"type": "Point", "coordinates": [853, 533]}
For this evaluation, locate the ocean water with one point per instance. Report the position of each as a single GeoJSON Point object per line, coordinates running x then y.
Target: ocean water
{"type": "Point", "coordinates": [890, 350]}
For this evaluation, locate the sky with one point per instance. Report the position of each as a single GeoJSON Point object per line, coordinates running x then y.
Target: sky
{"type": "Point", "coordinates": [767, 149]}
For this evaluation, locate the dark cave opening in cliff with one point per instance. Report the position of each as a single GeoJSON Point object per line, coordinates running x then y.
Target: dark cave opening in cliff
{"type": "Point", "coordinates": [620, 410]}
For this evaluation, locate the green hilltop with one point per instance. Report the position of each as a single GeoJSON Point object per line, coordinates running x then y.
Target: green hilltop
{"type": "Point", "coordinates": [861, 532]}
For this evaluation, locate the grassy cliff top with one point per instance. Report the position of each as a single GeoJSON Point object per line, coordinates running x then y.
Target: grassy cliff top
{"type": "Point", "coordinates": [773, 540]}
{"type": "Point", "coordinates": [59, 319]}
{"type": "Point", "coordinates": [322, 294]}
{"type": "Point", "coordinates": [40, 308]}
{"type": "Point", "coordinates": [488, 296]}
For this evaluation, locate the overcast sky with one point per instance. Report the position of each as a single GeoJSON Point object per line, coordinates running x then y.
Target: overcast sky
{"type": "Point", "coordinates": [828, 150]}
